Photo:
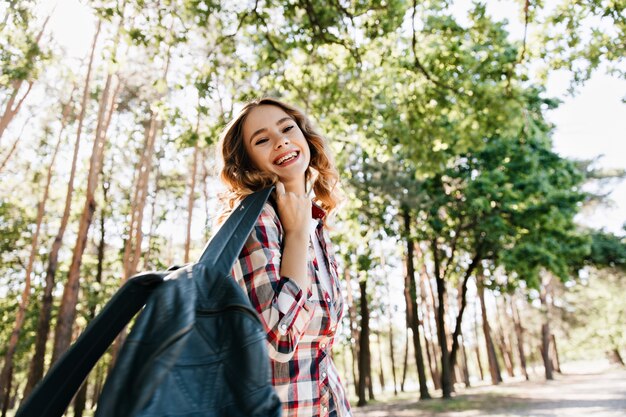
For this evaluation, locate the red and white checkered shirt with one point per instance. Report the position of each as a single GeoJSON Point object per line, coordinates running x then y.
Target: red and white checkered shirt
{"type": "Point", "coordinates": [300, 327]}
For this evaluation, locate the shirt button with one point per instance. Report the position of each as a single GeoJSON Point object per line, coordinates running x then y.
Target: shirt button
{"type": "Point", "coordinates": [323, 345]}
{"type": "Point", "coordinates": [283, 326]}
{"type": "Point", "coordinates": [325, 409]}
{"type": "Point", "coordinates": [323, 374]}
{"type": "Point", "coordinates": [327, 299]}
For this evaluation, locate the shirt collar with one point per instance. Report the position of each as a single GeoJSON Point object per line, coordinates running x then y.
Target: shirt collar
{"type": "Point", "coordinates": [317, 212]}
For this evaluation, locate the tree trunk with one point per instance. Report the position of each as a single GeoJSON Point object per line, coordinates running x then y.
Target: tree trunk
{"type": "Point", "coordinates": [191, 199]}
{"type": "Point", "coordinates": [132, 247]}
{"type": "Point", "coordinates": [429, 333]}
{"type": "Point", "coordinates": [519, 335]}
{"type": "Point", "coordinates": [67, 310]}
{"type": "Point", "coordinates": [208, 225]}
{"type": "Point", "coordinates": [476, 348]}
{"type": "Point", "coordinates": [381, 368]}
{"type": "Point", "coordinates": [446, 374]}
{"type": "Point", "coordinates": [147, 255]}
{"type": "Point", "coordinates": [80, 399]}
{"type": "Point", "coordinates": [494, 367]}
{"type": "Point", "coordinates": [392, 357]}
{"type": "Point", "coordinates": [36, 369]}
{"type": "Point", "coordinates": [405, 363]}
{"type": "Point", "coordinates": [364, 346]}
{"type": "Point", "coordinates": [465, 368]}
{"type": "Point", "coordinates": [410, 295]}
{"type": "Point", "coordinates": [463, 300]}
{"type": "Point", "coordinates": [556, 363]}
{"type": "Point", "coordinates": [507, 354]}
{"type": "Point", "coordinates": [7, 389]}
{"type": "Point", "coordinates": [25, 299]}
{"type": "Point", "coordinates": [13, 147]}
{"type": "Point", "coordinates": [391, 354]}
{"type": "Point", "coordinates": [545, 329]}
{"type": "Point", "coordinates": [354, 332]}
{"type": "Point", "coordinates": [616, 357]}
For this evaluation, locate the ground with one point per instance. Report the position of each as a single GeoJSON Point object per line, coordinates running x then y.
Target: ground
{"type": "Point", "coordinates": [589, 390]}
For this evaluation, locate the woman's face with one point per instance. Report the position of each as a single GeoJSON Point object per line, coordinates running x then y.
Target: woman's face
{"type": "Point", "coordinates": [276, 144]}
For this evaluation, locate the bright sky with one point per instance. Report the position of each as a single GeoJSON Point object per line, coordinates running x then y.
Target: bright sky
{"type": "Point", "coordinates": [591, 124]}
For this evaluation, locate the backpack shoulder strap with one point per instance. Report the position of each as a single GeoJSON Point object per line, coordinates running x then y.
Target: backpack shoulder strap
{"type": "Point", "coordinates": [223, 250]}
{"type": "Point", "coordinates": [53, 394]}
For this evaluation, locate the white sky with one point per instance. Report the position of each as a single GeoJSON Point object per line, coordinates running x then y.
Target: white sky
{"type": "Point", "coordinates": [591, 124]}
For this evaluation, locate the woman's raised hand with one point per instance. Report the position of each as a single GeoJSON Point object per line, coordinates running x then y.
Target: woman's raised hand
{"type": "Point", "coordinates": [294, 211]}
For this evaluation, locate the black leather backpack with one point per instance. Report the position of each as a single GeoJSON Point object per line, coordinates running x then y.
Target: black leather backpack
{"type": "Point", "coordinates": [196, 350]}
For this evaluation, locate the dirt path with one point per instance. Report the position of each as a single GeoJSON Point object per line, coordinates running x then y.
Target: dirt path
{"type": "Point", "coordinates": [576, 393]}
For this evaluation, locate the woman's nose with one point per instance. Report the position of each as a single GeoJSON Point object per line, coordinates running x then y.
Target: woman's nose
{"type": "Point", "coordinates": [282, 141]}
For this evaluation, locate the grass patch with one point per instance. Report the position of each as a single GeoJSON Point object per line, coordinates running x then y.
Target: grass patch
{"type": "Point", "coordinates": [484, 401]}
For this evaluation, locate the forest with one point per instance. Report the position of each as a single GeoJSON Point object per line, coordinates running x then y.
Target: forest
{"type": "Point", "coordinates": [456, 240]}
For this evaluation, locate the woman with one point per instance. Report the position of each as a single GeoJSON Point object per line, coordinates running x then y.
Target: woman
{"type": "Point", "coordinates": [286, 266]}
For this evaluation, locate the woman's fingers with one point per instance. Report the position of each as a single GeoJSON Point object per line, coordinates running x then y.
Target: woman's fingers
{"type": "Point", "coordinates": [280, 189]}
{"type": "Point", "coordinates": [294, 210]}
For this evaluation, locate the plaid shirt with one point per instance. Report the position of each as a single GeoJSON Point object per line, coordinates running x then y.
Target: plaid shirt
{"type": "Point", "coordinates": [300, 327]}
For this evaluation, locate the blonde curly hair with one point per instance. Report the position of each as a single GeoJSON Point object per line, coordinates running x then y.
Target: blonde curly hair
{"type": "Point", "coordinates": [242, 178]}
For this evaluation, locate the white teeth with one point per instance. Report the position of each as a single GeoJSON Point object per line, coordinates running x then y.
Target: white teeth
{"type": "Point", "coordinates": [286, 158]}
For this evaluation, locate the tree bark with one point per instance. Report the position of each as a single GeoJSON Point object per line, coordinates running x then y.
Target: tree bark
{"type": "Point", "coordinates": [392, 357]}
{"type": "Point", "coordinates": [354, 332]}
{"type": "Point", "coordinates": [405, 363]}
{"type": "Point", "coordinates": [476, 348]}
{"type": "Point", "coordinates": [7, 390]}
{"type": "Point", "coordinates": [429, 333]}
{"type": "Point", "coordinates": [381, 368]}
{"type": "Point", "coordinates": [459, 319]}
{"type": "Point", "coordinates": [410, 294]}
{"type": "Point", "coordinates": [494, 367]}
{"type": "Point", "coordinates": [13, 148]}
{"type": "Point", "coordinates": [507, 354]}
{"type": "Point", "coordinates": [67, 310]}
{"type": "Point", "coordinates": [191, 199]}
{"type": "Point", "coordinates": [25, 299]}
{"type": "Point", "coordinates": [446, 374]}
{"type": "Point", "coordinates": [465, 368]}
{"type": "Point", "coordinates": [80, 399]}
{"type": "Point", "coordinates": [43, 324]}
{"type": "Point", "coordinates": [132, 247]}
{"type": "Point", "coordinates": [556, 363]}
{"type": "Point", "coordinates": [519, 335]}
{"type": "Point", "coordinates": [545, 328]}
{"type": "Point", "coordinates": [364, 346]}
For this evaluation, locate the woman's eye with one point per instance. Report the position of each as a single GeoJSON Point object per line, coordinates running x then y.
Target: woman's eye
{"type": "Point", "coordinates": [287, 129]}
{"type": "Point", "coordinates": [260, 141]}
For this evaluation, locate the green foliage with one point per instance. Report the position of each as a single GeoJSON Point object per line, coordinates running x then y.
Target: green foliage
{"type": "Point", "coordinates": [513, 203]}
{"type": "Point", "coordinates": [582, 36]}
{"type": "Point", "coordinates": [607, 250]}
{"type": "Point", "coordinates": [598, 327]}
{"type": "Point", "coordinates": [21, 56]}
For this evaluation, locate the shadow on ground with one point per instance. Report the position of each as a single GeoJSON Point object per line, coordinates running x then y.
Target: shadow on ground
{"type": "Point", "coordinates": [600, 394]}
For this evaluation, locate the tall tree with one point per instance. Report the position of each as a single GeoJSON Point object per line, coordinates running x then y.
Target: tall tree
{"type": "Point", "coordinates": [43, 324]}
{"type": "Point", "coordinates": [67, 309]}
{"type": "Point", "coordinates": [410, 292]}
{"type": "Point", "coordinates": [7, 368]}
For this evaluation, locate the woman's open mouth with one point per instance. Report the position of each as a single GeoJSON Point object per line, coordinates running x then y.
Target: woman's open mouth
{"type": "Point", "coordinates": [287, 158]}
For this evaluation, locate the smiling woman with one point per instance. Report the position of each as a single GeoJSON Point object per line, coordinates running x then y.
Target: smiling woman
{"type": "Point", "coordinates": [287, 267]}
